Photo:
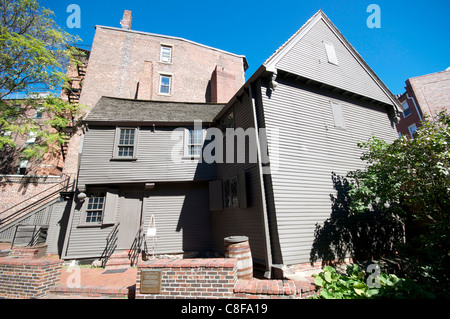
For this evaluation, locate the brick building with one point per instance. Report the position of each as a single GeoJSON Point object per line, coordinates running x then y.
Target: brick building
{"type": "Point", "coordinates": [424, 95]}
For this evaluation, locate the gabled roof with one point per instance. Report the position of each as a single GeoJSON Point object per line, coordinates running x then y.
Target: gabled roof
{"type": "Point", "coordinates": [272, 63]}
{"type": "Point", "coordinates": [118, 111]}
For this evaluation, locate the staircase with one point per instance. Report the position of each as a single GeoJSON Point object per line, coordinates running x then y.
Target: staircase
{"type": "Point", "coordinates": [122, 260]}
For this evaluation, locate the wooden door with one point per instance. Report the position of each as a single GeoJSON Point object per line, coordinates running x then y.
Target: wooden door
{"type": "Point", "coordinates": [129, 218]}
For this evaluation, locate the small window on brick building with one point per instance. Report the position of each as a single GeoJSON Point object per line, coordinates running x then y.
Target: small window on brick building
{"type": "Point", "coordinates": [407, 111]}
{"type": "Point", "coordinates": [166, 54]}
{"type": "Point", "coordinates": [22, 168]}
{"type": "Point", "coordinates": [165, 82]}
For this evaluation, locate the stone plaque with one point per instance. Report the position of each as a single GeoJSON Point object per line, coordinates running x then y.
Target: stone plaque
{"type": "Point", "coordinates": [151, 281]}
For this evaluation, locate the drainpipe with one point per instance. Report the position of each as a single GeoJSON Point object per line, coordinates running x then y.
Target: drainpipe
{"type": "Point", "coordinates": [268, 256]}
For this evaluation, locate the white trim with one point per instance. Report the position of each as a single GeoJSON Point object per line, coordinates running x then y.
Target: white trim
{"type": "Point", "coordinates": [170, 37]}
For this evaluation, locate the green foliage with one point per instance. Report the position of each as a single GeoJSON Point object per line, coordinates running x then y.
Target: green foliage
{"type": "Point", "coordinates": [410, 178]}
{"type": "Point", "coordinates": [34, 50]}
{"type": "Point", "coordinates": [355, 285]}
{"type": "Point", "coordinates": [34, 55]}
{"type": "Point", "coordinates": [50, 133]}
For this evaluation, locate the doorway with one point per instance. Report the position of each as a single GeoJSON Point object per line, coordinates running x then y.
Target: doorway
{"type": "Point", "coordinates": [129, 218]}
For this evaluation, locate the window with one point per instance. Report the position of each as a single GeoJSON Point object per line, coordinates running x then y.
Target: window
{"type": "Point", "coordinates": [38, 112]}
{"type": "Point", "coordinates": [166, 54]}
{"type": "Point", "coordinates": [31, 138]}
{"type": "Point", "coordinates": [193, 143]}
{"type": "Point", "coordinates": [164, 84]}
{"type": "Point", "coordinates": [22, 168]}
{"type": "Point", "coordinates": [412, 129]}
{"type": "Point", "coordinates": [407, 110]}
{"type": "Point", "coordinates": [230, 188]}
{"type": "Point", "coordinates": [126, 141]}
{"type": "Point", "coordinates": [331, 53]}
{"type": "Point", "coordinates": [94, 208]}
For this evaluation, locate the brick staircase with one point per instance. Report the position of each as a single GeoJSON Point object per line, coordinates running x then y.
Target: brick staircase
{"type": "Point", "coordinates": [122, 260]}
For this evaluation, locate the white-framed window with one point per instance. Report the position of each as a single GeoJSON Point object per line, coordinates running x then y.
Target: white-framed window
{"type": "Point", "coordinates": [331, 53]}
{"type": "Point", "coordinates": [407, 110]}
{"type": "Point", "coordinates": [166, 54]}
{"type": "Point", "coordinates": [22, 168]}
{"type": "Point", "coordinates": [125, 143]}
{"type": "Point", "coordinates": [95, 208]}
{"type": "Point", "coordinates": [193, 142]}
{"type": "Point", "coordinates": [31, 138]}
{"type": "Point", "coordinates": [165, 84]}
{"type": "Point", "coordinates": [412, 129]}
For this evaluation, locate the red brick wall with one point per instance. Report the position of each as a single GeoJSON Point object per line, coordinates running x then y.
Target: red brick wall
{"type": "Point", "coordinates": [26, 278]}
{"type": "Point", "coordinates": [216, 278]}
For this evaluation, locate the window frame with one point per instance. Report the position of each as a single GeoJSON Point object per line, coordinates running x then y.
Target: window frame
{"type": "Point", "coordinates": [231, 200]}
{"type": "Point", "coordinates": [84, 211]}
{"type": "Point", "coordinates": [409, 130]}
{"type": "Point", "coordinates": [169, 76]}
{"type": "Point", "coordinates": [31, 137]}
{"type": "Point", "coordinates": [117, 145]}
{"type": "Point", "coordinates": [161, 56]}
{"type": "Point", "coordinates": [187, 144]}
{"type": "Point", "coordinates": [23, 163]}
{"type": "Point", "coordinates": [407, 108]}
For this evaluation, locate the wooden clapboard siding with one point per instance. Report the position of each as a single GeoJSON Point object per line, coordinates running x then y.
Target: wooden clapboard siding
{"type": "Point", "coordinates": [153, 163]}
{"type": "Point", "coordinates": [308, 58]}
{"type": "Point", "coordinates": [182, 217]}
{"type": "Point", "coordinates": [312, 148]}
{"type": "Point", "coordinates": [236, 221]}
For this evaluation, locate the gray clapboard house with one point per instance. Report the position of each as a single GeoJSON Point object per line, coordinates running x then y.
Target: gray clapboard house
{"type": "Point", "coordinates": [310, 103]}
{"type": "Point", "coordinates": [302, 114]}
{"type": "Point", "coordinates": [140, 160]}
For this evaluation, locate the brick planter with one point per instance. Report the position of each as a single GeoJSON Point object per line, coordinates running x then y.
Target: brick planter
{"type": "Point", "coordinates": [190, 278]}
{"type": "Point", "coordinates": [26, 278]}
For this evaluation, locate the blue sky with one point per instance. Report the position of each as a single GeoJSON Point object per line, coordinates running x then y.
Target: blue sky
{"type": "Point", "coordinates": [413, 39]}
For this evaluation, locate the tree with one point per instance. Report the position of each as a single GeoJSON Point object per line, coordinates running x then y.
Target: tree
{"type": "Point", "coordinates": [410, 178]}
{"type": "Point", "coordinates": [34, 54]}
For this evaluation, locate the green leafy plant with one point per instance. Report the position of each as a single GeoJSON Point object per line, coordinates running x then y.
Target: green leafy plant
{"type": "Point", "coordinates": [359, 285]}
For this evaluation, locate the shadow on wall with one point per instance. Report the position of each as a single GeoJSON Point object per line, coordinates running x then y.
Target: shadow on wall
{"type": "Point", "coordinates": [362, 236]}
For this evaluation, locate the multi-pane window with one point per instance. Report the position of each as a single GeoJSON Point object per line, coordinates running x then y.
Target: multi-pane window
{"type": "Point", "coordinates": [126, 143]}
{"type": "Point", "coordinates": [166, 54]}
{"type": "Point", "coordinates": [230, 188]}
{"type": "Point", "coordinates": [164, 84]}
{"type": "Point", "coordinates": [412, 130]}
{"type": "Point", "coordinates": [95, 207]}
{"type": "Point", "coordinates": [194, 143]}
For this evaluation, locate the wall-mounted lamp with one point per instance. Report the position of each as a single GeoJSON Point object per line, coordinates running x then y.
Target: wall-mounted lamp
{"type": "Point", "coordinates": [81, 196]}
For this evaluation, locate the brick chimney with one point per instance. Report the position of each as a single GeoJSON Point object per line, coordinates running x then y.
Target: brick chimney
{"type": "Point", "coordinates": [222, 85]}
{"type": "Point", "coordinates": [126, 20]}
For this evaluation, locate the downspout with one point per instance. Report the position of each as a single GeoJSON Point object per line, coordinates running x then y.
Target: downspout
{"type": "Point", "coordinates": [268, 256]}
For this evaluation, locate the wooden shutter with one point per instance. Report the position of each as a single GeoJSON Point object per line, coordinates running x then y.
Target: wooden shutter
{"type": "Point", "coordinates": [215, 195]}
{"type": "Point", "coordinates": [242, 190]}
{"type": "Point", "coordinates": [337, 115]}
{"type": "Point", "coordinates": [112, 197]}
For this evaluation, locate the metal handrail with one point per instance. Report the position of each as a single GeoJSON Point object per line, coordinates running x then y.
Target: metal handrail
{"type": "Point", "coordinates": [133, 255]}
{"type": "Point", "coordinates": [63, 185]}
{"type": "Point", "coordinates": [111, 239]}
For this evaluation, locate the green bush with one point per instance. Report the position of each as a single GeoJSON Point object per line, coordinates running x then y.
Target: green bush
{"type": "Point", "coordinates": [359, 285]}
